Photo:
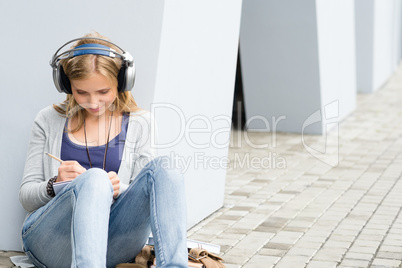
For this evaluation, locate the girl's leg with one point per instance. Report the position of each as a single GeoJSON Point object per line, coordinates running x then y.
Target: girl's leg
{"type": "Point", "coordinates": [71, 230]}
{"type": "Point", "coordinates": [154, 200]}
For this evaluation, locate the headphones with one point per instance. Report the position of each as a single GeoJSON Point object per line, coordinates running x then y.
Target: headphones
{"type": "Point", "coordinates": [125, 77]}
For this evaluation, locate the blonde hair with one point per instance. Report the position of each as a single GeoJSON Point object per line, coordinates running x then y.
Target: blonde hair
{"type": "Point", "coordinates": [83, 67]}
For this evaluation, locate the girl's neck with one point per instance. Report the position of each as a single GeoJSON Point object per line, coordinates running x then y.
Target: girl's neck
{"type": "Point", "coordinates": [105, 116]}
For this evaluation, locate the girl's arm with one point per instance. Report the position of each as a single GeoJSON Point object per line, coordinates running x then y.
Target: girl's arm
{"type": "Point", "coordinates": [32, 192]}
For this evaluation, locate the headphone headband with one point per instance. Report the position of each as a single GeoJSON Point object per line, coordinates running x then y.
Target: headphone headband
{"type": "Point", "coordinates": [126, 74]}
{"type": "Point", "coordinates": [96, 49]}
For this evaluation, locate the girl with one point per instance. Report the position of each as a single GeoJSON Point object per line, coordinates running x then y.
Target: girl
{"type": "Point", "coordinates": [117, 190]}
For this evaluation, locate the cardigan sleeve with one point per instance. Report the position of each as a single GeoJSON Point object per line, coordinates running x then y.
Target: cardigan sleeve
{"type": "Point", "coordinates": [139, 143]}
{"type": "Point", "coordinates": [142, 140]}
{"type": "Point", "coordinates": [32, 193]}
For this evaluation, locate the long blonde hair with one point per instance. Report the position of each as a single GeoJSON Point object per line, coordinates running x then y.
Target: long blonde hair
{"type": "Point", "coordinates": [82, 67]}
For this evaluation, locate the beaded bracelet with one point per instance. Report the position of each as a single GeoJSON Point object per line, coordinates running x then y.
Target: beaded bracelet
{"type": "Point", "coordinates": [49, 187]}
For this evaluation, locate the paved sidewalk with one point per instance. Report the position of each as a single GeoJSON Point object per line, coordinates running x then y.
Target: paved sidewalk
{"type": "Point", "coordinates": [311, 214]}
{"type": "Point", "coordinates": [338, 208]}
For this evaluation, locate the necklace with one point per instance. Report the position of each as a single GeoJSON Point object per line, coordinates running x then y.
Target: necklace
{"type": "Point", "coordinates": [106, 147]}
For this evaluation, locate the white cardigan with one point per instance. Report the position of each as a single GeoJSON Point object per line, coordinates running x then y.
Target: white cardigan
{"type": "Point", "coordinates": [46, 136]}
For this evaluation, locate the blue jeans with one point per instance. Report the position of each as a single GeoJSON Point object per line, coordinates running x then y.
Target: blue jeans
{"type": "Point", "coordinates": [80, 227]}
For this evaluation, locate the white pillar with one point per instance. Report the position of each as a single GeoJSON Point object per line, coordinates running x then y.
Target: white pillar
{"type": "Point", "coordinates": [297, 61]}
{"type": "Point", "coordinates": [185, 54]}
{"type": "Point", "coordinates": [195, 76]}
{"type": "Point", "coordinates": [397, 28]}
{"type": "Point", "coordinates": [378, 40]}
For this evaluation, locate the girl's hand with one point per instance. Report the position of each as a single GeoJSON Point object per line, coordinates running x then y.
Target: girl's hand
{"type": "Point", "coordinates": [69, 170]}
{"type": "Point", "coordinates": [115, 182]}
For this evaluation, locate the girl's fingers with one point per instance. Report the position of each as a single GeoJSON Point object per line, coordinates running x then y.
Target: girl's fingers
{"type": "Point", "coordinates": [73, 165]}
{"type": "Point", "coordinates": [69, 170]}
{"type": "Point", "coordinates": [114, 179]}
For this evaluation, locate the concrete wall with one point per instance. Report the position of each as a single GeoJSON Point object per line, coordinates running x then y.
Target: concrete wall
{"type": "Point", "coordinates": [195, 76]}
{"type": "Point", "coordinates": [378, 42]}
{"type": "Point", "coordinates": [296, 61]}
{"type": "Point", "coordinates": [151, 31]}
{"type": "Point", "coordinates": [383, 61]}
{"type": "Point", "coordinates": [364, 13]}
{"type": "Point", "coordinates": [279, 56]}
{"type": "Point", "coordinates": [397, 28]}
{"type": "Point", "coordinates": [31, 32]}
{"type": "Point", "coordinates": [336, 45]}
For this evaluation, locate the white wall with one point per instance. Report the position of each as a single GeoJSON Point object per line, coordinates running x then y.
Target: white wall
{"type": "Point", "coordinates": [397, 35]}
{"type": "Point", "coordinates": [196, 75]}
{"type": "Point", "coordinates": [384, 52]}
{"type": "Point", "coordinates": [364, 17]}
{"type": "Point", "coordinates": [378, 42]}
{"type": "Point", "coordinates": [280, 65]}
{"type": "Point", "coordinates": [336, 45]}
{"type": "Point", "coordinates": [31, 32]}
{"type": "Point", "coordinates": [296, 61]}
{"type": "Point", "coordinates": [180, 64]}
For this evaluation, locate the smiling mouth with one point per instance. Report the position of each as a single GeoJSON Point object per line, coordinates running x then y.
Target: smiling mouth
{"type": "Point", "coordinates": [95, 110]}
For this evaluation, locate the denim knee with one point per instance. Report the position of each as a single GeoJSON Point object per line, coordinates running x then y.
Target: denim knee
{"type": "Point", "coordinates": [164, 169]}
{"type": "Point", "coordinates": [94, 180]}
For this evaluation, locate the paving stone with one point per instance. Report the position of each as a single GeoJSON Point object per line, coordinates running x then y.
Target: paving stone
{"type": "Point", "coordinates": [386, 262]}
{"type": "Point", "coordinates": [322, 264]}
{"type": "Point", "coordinates": [336, 244]}
{"type": "Point", "coordinates": [237, 256]}
{"type": "Point", "coordinates": [329, 254]}
{"type": "Point", "coordinates": [292, 261]}
{"type": "Point", "coordinates": [368, 237]}
{"type": "Point", "coordinates": [389, 255]}
{"type": "Point", "coordinates": [313, 239]}
{"type": "Point", "coordinates": [359, 256]}
{"type": "Point", "coordinates": [298, 251]}
{"type": "Point", "coordinates": [281, 246]}
{"type": "Point", "coordinates": [392, 242]}
{"type": "Point", "coordinates": [354, 263]}
{"type": "Point", "coordinates": [224, 248]}
{"type": "Point", "coordinates": [261, 261]}
{"type": "Point", "coordinates": [344, 238]}
{"type": "Point", "coordinates": [367, 243]}
{"type": "Point", "coordinates": [295, 229]}
{"type": "Point", "coordinates": [286, 237]}
{"type": "Point", "coordinates": [357, 249]}
{"type": "Point", "coordinates": [224, 241]}
{"type": "Point", "coordinates": [299, 223]}
{"type": "Point", "coordinates": [254, 241]}
{"type": "Point", "coordinates": [272, 252]}
{"type": "Point", "coordinates": [312, 245]}
{"type": "Point", "coordinates": [236, 212]}
{"type": "Point", "coordinates": [386, 248]}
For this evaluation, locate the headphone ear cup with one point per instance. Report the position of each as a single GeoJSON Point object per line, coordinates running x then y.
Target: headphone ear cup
{"type": "Point", "coordinates": [121, 78]}
{"type": "Point", "coordinates": [126, 78]}
{"type": "Point", "coordinates": [130, 77]}
{"type": "Point", "coordinates": [56, 78]}
{"type": "Point", "coordinates": [65, 84]}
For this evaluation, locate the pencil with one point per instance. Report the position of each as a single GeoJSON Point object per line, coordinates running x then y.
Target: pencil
{"type": "Point", "coordinates": [54, 157]}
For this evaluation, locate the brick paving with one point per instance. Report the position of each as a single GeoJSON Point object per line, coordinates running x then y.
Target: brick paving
{"type": "Point", "coordinates": [314, 201]}
{"type": "Point", "coordinates": [340, 208]}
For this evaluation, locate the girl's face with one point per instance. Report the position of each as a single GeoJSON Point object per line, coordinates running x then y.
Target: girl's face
{"type": "Point", "coordinates": [95, 94]}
